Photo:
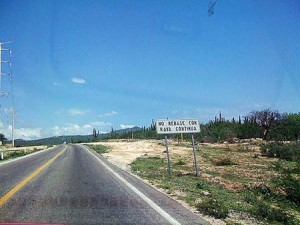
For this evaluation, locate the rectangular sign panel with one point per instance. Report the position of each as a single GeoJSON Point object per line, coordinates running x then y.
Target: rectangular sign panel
{"type": "Point", "coordinates": [177, 126]}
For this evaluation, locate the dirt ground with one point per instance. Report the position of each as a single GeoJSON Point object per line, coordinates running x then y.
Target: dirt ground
{"type": "Point", "coordinates": [123, 152]}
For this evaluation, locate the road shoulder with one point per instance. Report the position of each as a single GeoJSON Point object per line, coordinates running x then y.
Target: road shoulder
{"type": "Point", "coordinates": [172, 207]}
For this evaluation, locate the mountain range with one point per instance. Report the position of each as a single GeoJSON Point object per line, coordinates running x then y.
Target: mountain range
{"type": "Point", "coordinates": [55, 140]}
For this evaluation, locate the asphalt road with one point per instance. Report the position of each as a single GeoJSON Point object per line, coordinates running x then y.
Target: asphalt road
{"type": "Point", "coordinates": [70, 184]}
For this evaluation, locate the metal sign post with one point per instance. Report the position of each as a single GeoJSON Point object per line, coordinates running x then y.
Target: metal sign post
{"type": "Point", "coordinates": [168, 156]}
{"type": "Point", "coordinates": [178, 127]}
{"type": "Point", "coordinates": [195, 157]}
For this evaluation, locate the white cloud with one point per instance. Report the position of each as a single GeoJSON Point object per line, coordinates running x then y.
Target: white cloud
{"type": "Point", "coordinates": [75, 129]}
{"type": "Point", "coordinates": [20, 133]}
{"type": "Point", "coordinates": [108, 114]}
{"type": "Point", "coordinates": [67, 130]}
{"type": "Point", "coordinates": [87, 126]}
{"type": "Point", "coordinates": [96, 123]}
{"type": "Point", "coordinates": [125, 126]}
{"type": "Point", "coordinates": [77, 112]}
{"type": "Point", "coordinates": [26, 133]}
{"type": "Point", "coordinates": [77, 80]}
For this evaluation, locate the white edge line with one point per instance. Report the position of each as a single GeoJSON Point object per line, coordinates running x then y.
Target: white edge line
{"type": "Point", "coordinates": [158, 209]}
{"type": "Point", "coordinates": [25, 156]}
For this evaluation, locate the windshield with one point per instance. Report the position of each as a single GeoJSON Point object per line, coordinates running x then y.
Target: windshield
{"type": "Point", "coordinates": [106, 72]}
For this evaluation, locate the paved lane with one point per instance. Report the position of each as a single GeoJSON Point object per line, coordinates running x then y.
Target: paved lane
{"type": "Point", "coordinates": [11, 173]}
{"type": "Point", "coordinates": [78, 189]}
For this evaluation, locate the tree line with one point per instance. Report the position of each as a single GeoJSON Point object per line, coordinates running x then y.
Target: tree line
{"type": "Point", "coordinates": [267, 124]}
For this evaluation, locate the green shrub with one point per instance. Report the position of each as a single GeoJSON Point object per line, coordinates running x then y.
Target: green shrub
{"type": "Point", "coordinates": [165, 186]}
{"type": "Point", "coordinates": [289, 181]}
{"type": "Point", "coordinates": [289, 152]}
{"type": "Point", "coordinates": [180, 163]}
{"type": "Point", "coordinates": [148, 164]}
{"type": "Point", "coordinates": [265, 211]}
{"type": "Point", "coordinates": [250, 197]}
{"type": "Point", "coordinates": [200, 185]}
{"type": "Point", "coordinates": [262, 189]}
{"type": "Point", "coordinates": [99, 148]}
{"type": "Point", "coordinates": [289, 175]}
{"type": "Point", "coordinates": [15, 154]}
{"type": "Point", "coordinates": [214, 208]}
{"type": "Point", "coordinates": [227, 161]}
{"type": "Point", "coordinates": [292, 188]}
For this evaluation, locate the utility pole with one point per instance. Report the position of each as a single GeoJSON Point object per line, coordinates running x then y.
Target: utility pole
{"type": "Point", "coordinates": [13, 126]}
{"type": "Point", "coordinates": [3, 93]}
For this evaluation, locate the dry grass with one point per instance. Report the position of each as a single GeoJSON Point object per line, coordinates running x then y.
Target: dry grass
{"type": "Point", "coordinates": [246, 170]}
{"type": "Point", "coordinates": [247, 166]}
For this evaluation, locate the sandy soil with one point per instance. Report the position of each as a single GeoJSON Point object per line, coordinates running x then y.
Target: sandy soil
{"type": "Point", "coordinates": [124, 152]}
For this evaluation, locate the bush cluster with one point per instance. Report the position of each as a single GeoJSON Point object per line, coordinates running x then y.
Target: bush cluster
{"type": "Point", "coordinates": [101, 149]}
{"type": "Point", "coordinates": [289, 152]}
{"type": "Point", "coordinates": [16, 154]}
{"type": "Point", "coordinates": [213, 207]}
{"type": "Point", "coordinates": [289, 176]}
{"type": "Point", "coordinates": [291, 186]}
{"type": "Point", "coordinates": [265, 211]}
{"type": "Point", "coordinates": [227, 161]}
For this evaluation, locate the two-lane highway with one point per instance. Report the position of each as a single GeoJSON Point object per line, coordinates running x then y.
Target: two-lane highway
{"type": "Point", "coordinates": [73, 185]}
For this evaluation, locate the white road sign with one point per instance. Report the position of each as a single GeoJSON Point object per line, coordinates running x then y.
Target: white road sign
{"type": "Point", "coordinates": [177, 126]}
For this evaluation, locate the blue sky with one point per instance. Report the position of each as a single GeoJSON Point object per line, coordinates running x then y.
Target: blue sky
{"type": "Point", "coordinates": [84, 64]}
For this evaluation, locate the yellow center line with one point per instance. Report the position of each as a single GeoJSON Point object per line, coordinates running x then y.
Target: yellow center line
{"type": "Point", "coordinates": [13, 191]}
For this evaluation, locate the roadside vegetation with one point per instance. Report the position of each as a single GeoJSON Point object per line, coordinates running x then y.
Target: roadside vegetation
{"type": "Point", "coordinates": [100, 149]}
{"type": "Point", "coordinates": [236, 184]}
{"type": "Point", "coordinates": [250, 169]}
{"type": "Point", "coordinates": [10, 154]}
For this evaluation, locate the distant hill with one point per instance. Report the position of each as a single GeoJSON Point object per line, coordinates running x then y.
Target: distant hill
{"type": "Point", "coordinates": [56, 140]}
{"type": "Point", "coordinates": [136, 128]}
